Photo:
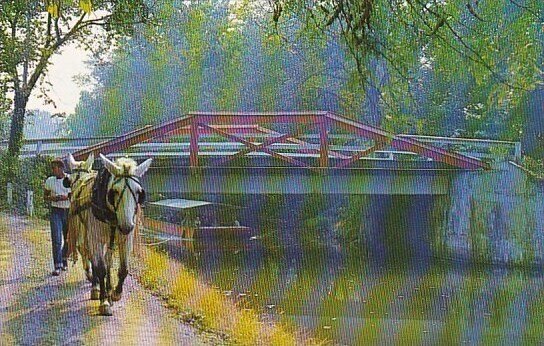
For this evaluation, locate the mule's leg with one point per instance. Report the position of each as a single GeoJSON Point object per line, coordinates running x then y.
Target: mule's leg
{"type": "Point", "coordinates": [83, 248]}
{"type": "Point", "coordinates": [86, 265]}
{"type": "Point", "coordinates": [90, 249]}
{"type": "Point", "coordinates": [96, 239]}
{"type": "Point", "coordinates": [99, 271]}
{"type": "Point", "coordinates": [108, 274]}
{"type": "Point", "coordinates": [95, 279]}
{"type": "Point", "coordinates": [95, 289]}
{"type": "Point", "coordinates": [124, 250]}
{"type": "Point", "coordinates": [118, 292]}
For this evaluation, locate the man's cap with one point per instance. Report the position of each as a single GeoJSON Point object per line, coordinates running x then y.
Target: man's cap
{"type": "Point", "coordinates": [57, 162]}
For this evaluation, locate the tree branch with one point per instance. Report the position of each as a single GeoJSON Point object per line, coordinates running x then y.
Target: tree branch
{"type": "Point", "coordinates": [472, 55]}
{"type": "Point", "coordinates": [97, 21]}
{"type": "Point", "coordinates": [47, 53]}
{"type": "Point", "coordinates": [473, 12]}
{"type": "Point", "coordinates": [57, 30]}
{"type": "Point", "coordinates": [48, 36]}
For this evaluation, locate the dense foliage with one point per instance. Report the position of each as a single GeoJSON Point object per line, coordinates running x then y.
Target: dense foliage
{"type": "Point", "coordinates": [31, 32]}
{"type": "Point", "coordinates": [443, 68]}
{"type": "Point", "coordinates": [481, 57]}
{"type": "Point", "coordinates": [213, 57]}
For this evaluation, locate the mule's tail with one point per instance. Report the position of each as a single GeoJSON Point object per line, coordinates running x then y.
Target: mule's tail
{"type": "Point", "coordinates": [136, 240]}
{"type": "Point", "coordinates": [77, 226]}
{"type": "Point", "coordinates": [71, 238]}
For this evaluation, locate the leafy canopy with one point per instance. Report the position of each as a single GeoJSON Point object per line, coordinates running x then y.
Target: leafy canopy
{"type": "Point", "coordinates": [32, 31]}
{"type": "Point", "coordinates": [493, 49]}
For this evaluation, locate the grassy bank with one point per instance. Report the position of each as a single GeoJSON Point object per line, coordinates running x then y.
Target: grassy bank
{"type": "Point", "coordinates": [207, 308]}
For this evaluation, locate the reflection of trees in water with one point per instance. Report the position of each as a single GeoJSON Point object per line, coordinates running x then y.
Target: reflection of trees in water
{"type": "Point", "coordinates": [388, 227]}
{"type": "Point", "coordinates": [311, 218]}
{"type": "Point", "coordinates": [268, 219]}
{"type": "Point", "coordinates": [385, 227]}
{"type": "Point", "coordinates": [350, 227]}
{"type": "Point", "coordinates": [352, 283]}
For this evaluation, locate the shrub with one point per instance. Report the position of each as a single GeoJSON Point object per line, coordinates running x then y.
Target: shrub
{"type": "Point", "coordinates": [280, 336]}
{"type": "Point", "coordinates": [213, 308]}
{"type": "Point", "coordinates": [246, 329]}
{"type": "Point", "coordinates": [25, 174]}
{"type": "Point", "coordinates": [534, 165]}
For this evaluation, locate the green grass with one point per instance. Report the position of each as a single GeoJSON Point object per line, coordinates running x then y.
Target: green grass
{"type": "Point", "coordinates": [206, 307]}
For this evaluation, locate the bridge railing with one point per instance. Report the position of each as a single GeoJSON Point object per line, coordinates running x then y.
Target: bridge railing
{"type": "Point", "coordinates": [222, 149]}
{"type": "Point", "coordinates": [483, 148]}
{"type": "Point", "coordinates": [489, 149]}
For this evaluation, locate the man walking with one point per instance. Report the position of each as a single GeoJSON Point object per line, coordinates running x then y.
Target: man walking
{"type": "Point", "coordinates": [59, 196]}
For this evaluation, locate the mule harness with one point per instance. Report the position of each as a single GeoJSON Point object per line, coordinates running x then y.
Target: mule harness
{"type": "Point", "coordinates": [109, 216]}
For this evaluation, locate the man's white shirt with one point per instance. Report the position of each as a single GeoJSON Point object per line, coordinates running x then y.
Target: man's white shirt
{"type": "Point", "coordinates": [54, 185]}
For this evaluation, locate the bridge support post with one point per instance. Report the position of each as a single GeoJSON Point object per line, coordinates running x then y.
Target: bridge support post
{"type": "Point", "coordinates": [324, 145]}
{"type": "Point", "coordinates": [193, 145]}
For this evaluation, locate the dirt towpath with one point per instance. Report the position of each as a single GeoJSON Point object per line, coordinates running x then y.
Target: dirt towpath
{"type": "Point", "coordinates": [39, 309]}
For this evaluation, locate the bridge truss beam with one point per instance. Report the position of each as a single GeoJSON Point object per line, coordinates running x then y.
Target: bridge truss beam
{"type": "Point", "coordinates": [234, 126]}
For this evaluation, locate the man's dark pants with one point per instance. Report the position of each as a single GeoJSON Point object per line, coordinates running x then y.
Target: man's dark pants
{"type": "Point", "coordinates": [59, 232]}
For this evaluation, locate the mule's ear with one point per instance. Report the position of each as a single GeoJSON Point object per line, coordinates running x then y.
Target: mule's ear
{"type": "Point", "coordinates": [142, 168]}
{"type": "Point", "coordinates": [89, 162]}
{"type": "Point", "coordinates": [72, 163]}
{"type": "Point", "coordinates": [110, 166]}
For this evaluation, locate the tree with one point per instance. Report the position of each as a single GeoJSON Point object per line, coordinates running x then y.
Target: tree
{"type": "Point", "coordinates": [32, 31]}
{"type": "Point", "coordinates": [495, 47]}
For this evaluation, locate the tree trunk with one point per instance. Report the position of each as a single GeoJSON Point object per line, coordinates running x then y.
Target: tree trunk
{"type": "Point", "coordinates": [17, 124]}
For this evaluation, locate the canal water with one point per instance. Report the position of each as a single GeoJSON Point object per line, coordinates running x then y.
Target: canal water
{"type": "Point", "coordinates": [364, 269]}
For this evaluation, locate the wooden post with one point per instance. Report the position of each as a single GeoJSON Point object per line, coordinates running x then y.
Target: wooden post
{"type": "Point", "coordinates": [38, 148]}
{"type": "Point", "coordinates": [30, 203]}
{"type": "Point", "coordinates": [9, 189]}
{"type": "Point", "coordinates": [517, 152]}
{"type": "Point", "coordinates": [193, 145]}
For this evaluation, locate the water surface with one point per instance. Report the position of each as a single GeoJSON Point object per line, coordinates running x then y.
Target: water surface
{"type": "Point", "coordinates": [387, 281]}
